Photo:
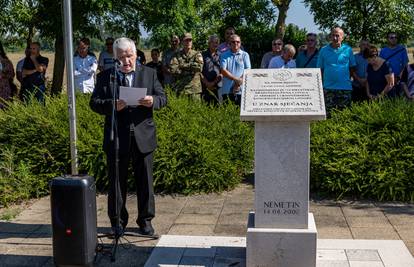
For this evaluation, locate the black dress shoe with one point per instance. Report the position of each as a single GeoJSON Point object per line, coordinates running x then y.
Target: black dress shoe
{"type": "Point", "coordinates": [146, 230]}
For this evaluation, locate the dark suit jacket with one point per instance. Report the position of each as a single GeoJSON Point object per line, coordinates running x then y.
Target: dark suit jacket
{"type": "Point", "coordinates": [141, 117]}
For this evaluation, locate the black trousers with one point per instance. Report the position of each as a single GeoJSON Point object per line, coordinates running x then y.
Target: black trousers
{"type": "Point", "coordinates": [236, 99]}
{"type": "Point", "coordinates": [142, 170]}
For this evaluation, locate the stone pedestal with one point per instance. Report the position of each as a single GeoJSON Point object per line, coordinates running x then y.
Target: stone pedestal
{"type": "Point", "coordinates": [273, 247]}
{"type": "Point", "coordinates": [282, 102]}
{"type": "Point", "coordinates": [281, 174]}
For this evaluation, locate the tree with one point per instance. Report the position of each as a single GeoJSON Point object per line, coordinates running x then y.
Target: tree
{"type": "Point", "coordinates": [294, 35]}
{"type": "Point", "coordinates": [282, 6]}
{"type": "Point", "coordinates": [365, 19]}
{"type": "Point", "coordinates": [203, 18]}
{"type": "Point", "coordinates": [18, 19]}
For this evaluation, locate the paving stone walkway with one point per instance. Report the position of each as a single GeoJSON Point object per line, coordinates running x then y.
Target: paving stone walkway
{"type": "Point", "coordinates": [26, 239]}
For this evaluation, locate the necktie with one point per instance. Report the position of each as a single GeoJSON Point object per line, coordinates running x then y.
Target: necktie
{"type": "Point", "coordinates": [124, 81]}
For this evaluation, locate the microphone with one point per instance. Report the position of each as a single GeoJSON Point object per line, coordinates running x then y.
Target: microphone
{"type": "Point", "coordinates": [118, 63]}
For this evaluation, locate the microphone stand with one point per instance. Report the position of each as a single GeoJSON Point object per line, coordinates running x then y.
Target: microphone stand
{"type": "Point", "coordinates": [118, 230]}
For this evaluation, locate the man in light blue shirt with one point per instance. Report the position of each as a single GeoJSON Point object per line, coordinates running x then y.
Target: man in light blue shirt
{"type": "Point", "coordinates": [233, 63]}
{"type": "Point", "coordinates": [336, 60]}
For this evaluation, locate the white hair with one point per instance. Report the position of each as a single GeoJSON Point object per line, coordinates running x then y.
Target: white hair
{"type": "Point", "coordinates": [124, 44]}
{"type": "Point", "coordinates": [289, 48]}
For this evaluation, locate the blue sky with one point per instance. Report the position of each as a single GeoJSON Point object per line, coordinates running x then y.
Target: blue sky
{"type": "Point", "coordinates": [299, 14]}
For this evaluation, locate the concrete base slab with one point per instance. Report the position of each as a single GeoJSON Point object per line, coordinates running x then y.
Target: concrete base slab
{"type": "Point", "coordinates": [220, 251]}
{"type": "Point", "coordinates": [270, 247]}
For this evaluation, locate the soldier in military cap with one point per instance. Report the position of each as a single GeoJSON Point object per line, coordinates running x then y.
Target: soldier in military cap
{"type": "Point", "coordinates": [186, 66]}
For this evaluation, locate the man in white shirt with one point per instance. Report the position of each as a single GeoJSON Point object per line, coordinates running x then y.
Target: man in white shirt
{"type": "Point", "coordinates": [85, 65]}
{"type": "Point", "coordinates": [285, 60]}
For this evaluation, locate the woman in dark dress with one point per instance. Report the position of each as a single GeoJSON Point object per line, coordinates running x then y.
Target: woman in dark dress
{"type": "Point", "coordinates": [6, 77]}
{"type": "Point", "coordinates": [380, 78]}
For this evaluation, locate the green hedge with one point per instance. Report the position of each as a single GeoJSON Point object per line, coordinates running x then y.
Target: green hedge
{"type": "Point", "coordinates": [366, 151]}
{"type": "Point", "coordinates": [201, 148]}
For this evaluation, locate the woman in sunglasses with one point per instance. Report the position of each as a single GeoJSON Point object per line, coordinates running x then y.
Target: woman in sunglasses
{"type": "Point", "coordinates": [380, 78]}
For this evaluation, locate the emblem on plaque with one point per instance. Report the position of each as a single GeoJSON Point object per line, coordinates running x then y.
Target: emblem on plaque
{"type": "Point", "coordinates": [282, 75]}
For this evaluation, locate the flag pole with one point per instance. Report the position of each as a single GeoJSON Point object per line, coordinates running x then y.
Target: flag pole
{"type": "Point", "coordinates": [68, 41]}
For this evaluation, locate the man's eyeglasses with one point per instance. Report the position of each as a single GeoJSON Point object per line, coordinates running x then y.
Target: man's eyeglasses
{"type": "Point", "coordinates": [310, 40]}
{"type": "Point", "coordinates": [392, 37]}
{"type": "Point", "coordinates": [235, 42]}
{"type": "Point", "coordinates": [277, 44]}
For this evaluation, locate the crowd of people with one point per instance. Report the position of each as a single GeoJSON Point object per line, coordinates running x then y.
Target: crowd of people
{"type": "Point", "coordinates": [215, 75]}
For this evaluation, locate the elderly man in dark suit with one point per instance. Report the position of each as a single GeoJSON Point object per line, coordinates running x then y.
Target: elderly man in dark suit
{"type": "Point", "coordinates": [136, 134]}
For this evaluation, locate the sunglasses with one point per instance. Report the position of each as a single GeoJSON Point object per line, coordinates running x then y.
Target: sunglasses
{"type": "Point", "coordinates": [310, 40]}
{"type": "Point", "coordinates": [392, 37]}
{"type": "Point", "coordinates": [277, 44]}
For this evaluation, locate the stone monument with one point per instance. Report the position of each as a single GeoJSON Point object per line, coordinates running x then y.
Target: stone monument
{"type": "Point", "coordinates": [282, 102]}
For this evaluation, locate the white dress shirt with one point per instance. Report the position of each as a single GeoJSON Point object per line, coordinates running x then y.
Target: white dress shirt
{"type": "Point", "coordinates": [85, 70]}
{"type": "Point", "coordinates": [279, 63]}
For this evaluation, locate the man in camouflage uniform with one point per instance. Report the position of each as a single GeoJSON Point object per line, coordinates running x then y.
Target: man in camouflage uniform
{"type": "Point", "coordinates": [186, 66]}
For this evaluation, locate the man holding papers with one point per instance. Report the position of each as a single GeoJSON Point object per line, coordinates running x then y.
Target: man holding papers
{"type": "Point", "coordinates": [136, 131]}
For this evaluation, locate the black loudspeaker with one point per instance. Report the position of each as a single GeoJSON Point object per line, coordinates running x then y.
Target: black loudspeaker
{"type": "Point", "coordinates": [73, 207]}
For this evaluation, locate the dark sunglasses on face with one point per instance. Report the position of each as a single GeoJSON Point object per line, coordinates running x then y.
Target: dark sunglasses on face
{"type": "Point", "coordinates": [277, 43]}
{"type": "Point", "coordinates": [392, 37]}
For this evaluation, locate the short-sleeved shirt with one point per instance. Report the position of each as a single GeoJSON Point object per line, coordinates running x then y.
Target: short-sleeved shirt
{"type": "Point", "coordinates": [361, 68]}
{"type": "Point", "coordinates": [235, 63]}
{"type": "Point", "coordinates": [310, 61]}
{"type": "Point", "coordinates": [377, 78]}
{"type": "Point", "coordinates": [37, 78]}
{"type": "Point", "coordinates": [106, 60]}
{"type": "Point", "coordinates": [335, 64]}
{"type": "Point", "coordinates": [84, 73]}
{"type": "Point", "coordinates": [397, 57]}
{"type": "Point", "coordinates": [19, 65]}
{"type": "Point", "coordinates": [279, 63]}
{"type": "Point", "coordinates": [266, 60]}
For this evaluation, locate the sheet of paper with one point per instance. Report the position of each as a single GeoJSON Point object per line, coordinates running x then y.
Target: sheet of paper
{"type": "Point", "coordinates": [131, 95]}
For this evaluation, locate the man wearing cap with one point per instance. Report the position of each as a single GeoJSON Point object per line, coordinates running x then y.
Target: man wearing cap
{"type": "Point", "coordinates": [186, 66]}
{"type": "Point", "coordinates": [167, 55]}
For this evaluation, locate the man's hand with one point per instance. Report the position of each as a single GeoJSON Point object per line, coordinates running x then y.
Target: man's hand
{"type": "Point", "coordinates": [238, 81]}
{"type": "Point", "coordinates": [120, 104]}
{"type": "Point", "coordinates": [147, 101]}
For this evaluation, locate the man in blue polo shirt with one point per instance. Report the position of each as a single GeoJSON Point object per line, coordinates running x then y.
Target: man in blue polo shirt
{"type": "Point", "coordinates": [397, 56]}
{"type": "Point", "coordinates": [336, 60]}
{"type": "Point", "coordinates": [233, 63]}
